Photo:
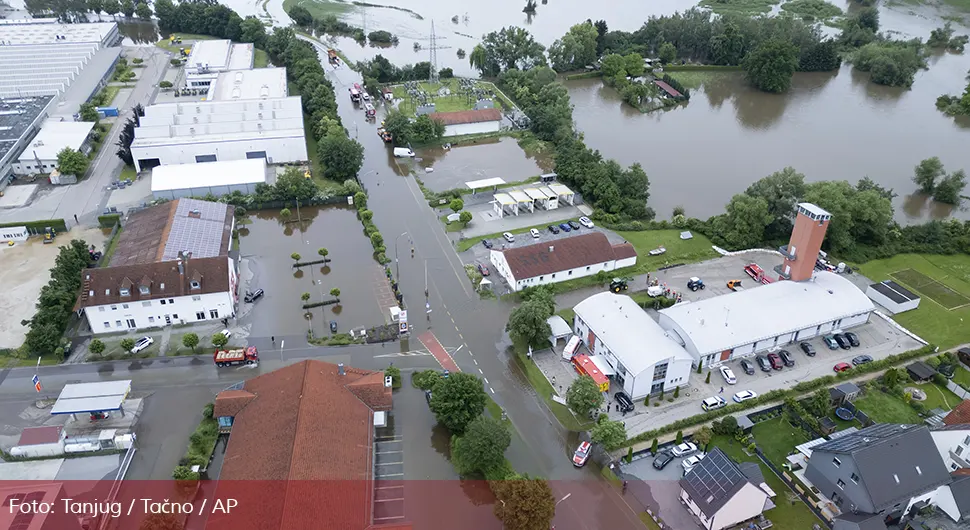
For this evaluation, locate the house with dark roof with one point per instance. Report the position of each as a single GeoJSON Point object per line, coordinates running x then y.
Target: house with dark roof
{"type": "Point", "coordinates": [301, 449]}
{"type": "Point", "coordinates": [920, 371]}
{"type": "Point", "coordinates": [954, 498]}
{"type": "Point", "coordinates": [842, 393]}
{"type": "Point", "coordinates": [464, 122]}
{"type": "Point", "coordinates": [858, 521]}
{"type": "Point", "coordinates": [722, 493]}
{"type": "Point", "coordinates": [561, 260]}
{"type": "Point", "coordinates": [173, 264]}
{"type": "Point", "coordinates": [882, 469]}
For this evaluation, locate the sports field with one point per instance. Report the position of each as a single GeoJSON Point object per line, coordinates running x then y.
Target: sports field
{"type": "Point", "coordinates": [929, 288]}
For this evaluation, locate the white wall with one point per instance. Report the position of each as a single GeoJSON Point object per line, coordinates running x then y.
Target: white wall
{"type": "Point", "coordinates": [562, 276]}
{"type": "Point", "coordinates": [948, 443]}
{"type": "Point", "coordinates": [501, 266]}
{"type": "Point", "coordinates": [14, 233]}
{"type": "Point", "coordinates": [626, 262]}
{"type": "Point", "coordinates": [216, 191]}
{"type": "Point", "coordinates": [943, 499]}
{"type": "Point", "coordinates": [184, 150]}
{"type": "Point", "coordinates": [746, 503]}
{"type": "Point", "coordinates": [30, 167]}
{"type": "Point", "coordinates": [891, 306]}
{"type": "Point", "coordinates": [151, 313]}
{"type": "Point", "coordinates": [472, 128]}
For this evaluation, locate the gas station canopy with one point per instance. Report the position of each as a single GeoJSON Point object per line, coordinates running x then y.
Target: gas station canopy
{"type": "Point", "coordinates": [475, 185]}
{"type": "Point", "coordinates": [92, 397]}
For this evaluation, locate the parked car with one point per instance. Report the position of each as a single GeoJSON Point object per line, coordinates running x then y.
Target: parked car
{"type": "Point", "coordinates": [684, 449]}
{"type": "Point", "coordinates": [535, 233]}
{"type": "Point", "coordinates": [786, 358]}
{"type": "Point", "coordinates": [226, 333]}
{"type": "Point", "coordinates": [333, 326]}
{"type": "Point", "coordinates": [483, 270]}
{"type": "Point", "coordinates": [728, 375]}
{"type": "Point", "coordinates": [574, 225]}
{"type": "Point", "coordinates": [624, 403]}
{"type": "Point", "coordinates": [841, 367]}
{"type": "Point", "coordinates": [830, 342]}
{"type": "Point", "coordinates": [142, 343]}
{"type": "Point", "coordinates": [662, 460]}
{"type": "Point", "coordinates": [852, 338]}
{"type": "Point", "coordinates": [775, 361]}
{"type": "Point", "coordinates": [689, 463]}
{"type": "Point", "coordinates": [582, 454]}
{"type": "Point", "coordinates": [744, 395]}
{"type": "Point", "coordinates": [565, 227]}
{"type": "Point", "coordinates": [486, 243]}
{"type": "Point", "coordinates": [253, 296]}
{"type": "Point", "coordinates": [509, 237]}
{"type": "Point", "coordinates": [747, 366]}
{"type": "Point", "coordinates": [842, 341]}
{"type": "Point", "coordinates": [808, 349]}
{"type": "Point", "coordinates": [862, 359]}
{"type": "Point", "coordinates": [586, 222]}
{"type": "Point", "coordinates": [763, 363]}
{"type": "Point", "coordinates": [554, 229]}
{"type": "Point", "coordinates": [713, 403]}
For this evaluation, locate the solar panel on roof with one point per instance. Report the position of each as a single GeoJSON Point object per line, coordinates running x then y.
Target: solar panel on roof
{"type": "Point", "coordinates": [714, 476]}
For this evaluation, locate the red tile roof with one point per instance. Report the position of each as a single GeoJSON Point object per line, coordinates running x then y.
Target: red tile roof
{"type": "Point", "coordinates": [40, 435]}
{"type": "Point", "coordinates": [230, 402]}
{"type": "Point", "coordinates": [668, 89]}
{"type": "Point", "coordinates": [467, 116]}
{"type": "Point", "coordinates": [307, 423]}
{"type": "Point", "coordinates": [163, 280]}
{"type": "Point", "coordinates": [567, 253]}
{"type": "Point", "coordinates": [959, 414]}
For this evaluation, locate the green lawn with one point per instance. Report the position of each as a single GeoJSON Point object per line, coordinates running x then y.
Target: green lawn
{"type": "Point", "coordinates": [785, 515]}
{"type": "Point", "coordinates": [678, 250]}
{"type": "Point", "coordinates": [938, 397]}
{"type": "Point", "coordinates": [884, 408]}
{"type": "Point", "coordinates": [543, 387]}
{"type": "Point", "coordinates": [320, 8]}
{"type": "Point", "coordinates": [945, 328]}
{"type": "Point", "coordinates": [777, 439]}
{"type": "Point", "coordinates": [187, 39]}
{"type": "Point", "coordinates": [261, 59]}
{"type": "Point", "coordinates": [110, 250]}
{"type": "Point", "coordinates": [450, 103]}
{"type": "Point", "coordinates": [962, 377]}
{"type": "Point", "coordinates": [110, 92]}
{"type": "Point", "coordinates": [128, 173]}
{"type": "Point", "coordinates": [567, 314]}
{"type": "Point", "coordinates": [740, 7]}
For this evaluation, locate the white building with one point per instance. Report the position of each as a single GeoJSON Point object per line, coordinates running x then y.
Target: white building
{"type": "Point", "coordinates": [721, 493]}
{"type": "Point", "coordinates": [41, 155]}
{"type": "Point", "coordinates": [892, 296]}
{"type": "Point", "coordinates": [20, 120]}
{"type": "Point", "coordinates": [953, 443]}
{"type": "Point", "coordinates": [740, 324]}
{"type": "Point", "coordinates": [260, 83]}
{"type": "Point", "coordinates": [172, 265]}
{"type": "Point", "coordinates": [210, 131]}
{"type": "Point", "coordinates": [469, 121]}
{"type": "Point", "coordinates": [208, 58]}
{"type": "Point", "coordinates": [215, 178]}
{"type": "Point", "coordinates": [561, 260]}
{"type": "Point", "coordinates": [644, 359]}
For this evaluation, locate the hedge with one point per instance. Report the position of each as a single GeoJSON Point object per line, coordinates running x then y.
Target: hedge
{"type": "Point", "coordinates": [779, 395]}
{"type": "Point", "coordinates": [58, 225]}
{"type": "Point", "coordinates": [109, 220]}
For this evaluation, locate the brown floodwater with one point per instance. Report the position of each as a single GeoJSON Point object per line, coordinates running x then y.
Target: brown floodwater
{"type": "Point", "coordinates": [480, 159]}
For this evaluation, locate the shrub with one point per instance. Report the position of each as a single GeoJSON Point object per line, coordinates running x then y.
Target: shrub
{"type": "Point", "coordinates": [677, 392]}
{"type": "Point", "coordinates": [680, 437]}
{"type": "Point", "coordinates": [752, 447]}
{"type": "Point", "coordinates": [208, 410]}
{"type": "Point", "coordinates": [708, 378]}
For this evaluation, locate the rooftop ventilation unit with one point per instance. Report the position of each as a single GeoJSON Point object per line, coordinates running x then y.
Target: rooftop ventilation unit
{"type": "Point", "coordinates": [239, 77]}
{"type": "Point", "coordinates": [264, 91]}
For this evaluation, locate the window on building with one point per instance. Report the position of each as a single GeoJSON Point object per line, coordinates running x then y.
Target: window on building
{"type": "Point", "coordinates": [205, 158]}
{"type": "Point", "coordinates": [553, 275]}
{"type": "Point", "coordinates": [125, 292]}
{"type": "Point", "coordinates": [958, 451]}
{"type": "Point", "coordinates": [171, 300]}
{"type": "Point", "coordinates": [124, 306]}
{"type": "Point", "coordinates": [587, 268]}
{"type": "Point", "coordinates": [966, 441]}
{"type": "Point", "coordinates": [101, 308]}
{"type": "Point", "coordinates": [200, 315]}
{"type": "Point", "coordinates": [855, 478]}
{"type": "Point", "coordinates": [143, 289]}
{"type": "Point", "coordinates": [196, 298]}
{"type": "Point", "coordinates": [194, 284]}
{"type": "Point", "coordinates": [107, 292]}
{"type": "Point", "coordinates": [541, 277]}
{"type": "Point", "coordinates": [256, 154]}
{"type": "Point", "coordinates": [840, 483]}
{"type": "Point", "coordinates": [146, 304]}
{"type": "Point", "coordinates": [114, 308]}
{"type": "Point", "coordinates": [174, 316]}
{"type": "Point", "coordinates": [213, 313]}
{"type": "Point", "coordinates": [570, 273]}
{"type": "Point", "coordinates": [107, 325]}
{"type": "Point", "coordinates": [117, 323]}
{"type": "Point", "coordinates": [151, 320]}
{"type": "Point", "coordinates": [163, 301]}
{"type": "Point", "coordinates": [837, 462]}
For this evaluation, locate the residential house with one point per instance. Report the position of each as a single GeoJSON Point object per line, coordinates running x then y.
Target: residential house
{"type": "Point", "coordinates": [859, 521]}
{"type": "Point", "coordinates": [954, 498]}
{"type": "Point", "coordinates": [959, 415]}
{"type": "Point", "coordinates": [953, 444]}
{"type": "Point", "coordinates": [722, 493]}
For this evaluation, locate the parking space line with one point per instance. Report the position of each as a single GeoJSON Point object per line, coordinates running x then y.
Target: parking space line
{"type": "Point", "coordinates": [390, 463]}
{"type": "Point", "coordinates": [391, 475]}
{"type": "Point", "coordinates": [396, 499]}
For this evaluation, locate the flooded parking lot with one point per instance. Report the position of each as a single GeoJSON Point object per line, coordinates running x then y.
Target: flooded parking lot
{"type": "Point", "coordinates": [481, 159]}
{"type": "Point", "coordinates": [269, 240]}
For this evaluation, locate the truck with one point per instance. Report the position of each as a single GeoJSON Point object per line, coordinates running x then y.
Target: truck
{"type": "Point", "coordinates": [355, 93]}
{"type": "Point", "coordinates": [247, 355]}
{"type": "Point", "coordinates": [386, 136]}
{"type": "Point", "coordinates": [49, 235]}
{"type": "Point", "coordinates": [757, 273]}
{"type": "Point", "coordinates": [735, 285]}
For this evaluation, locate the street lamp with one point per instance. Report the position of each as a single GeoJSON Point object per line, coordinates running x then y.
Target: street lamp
{"type": "Point", "coordinates": [397, 262]}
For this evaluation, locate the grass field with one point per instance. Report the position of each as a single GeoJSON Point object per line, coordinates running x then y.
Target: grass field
{"type": "Point", "coordinates": [938, 397]}
{"type": "Point", "coordinates": [678, 250]}
{"type": "Point", "coordinates": [930, 288]}
{"type": "Point", "coordinates": [451, 103]}
{"type": "Point", "coordinates": [261, 59]}
{"type": "Point", "coordinates": [777, 439]}
{"type": "Point", "coordinates": [962, 377]}
{"type": "Point", "coordinates": [740, 7]}
{"type": "Point", "coordinates": [931, 321]}
{"type": "Point", "coordinates": [187, 39]}
{"type": "Point", "coordinates": [320, 8]}
{"type": "Point", "coordinates": [884, 408]}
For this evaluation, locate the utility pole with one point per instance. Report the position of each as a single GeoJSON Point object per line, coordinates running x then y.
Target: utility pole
{"type": "Point", "coordinates": [434, 57]}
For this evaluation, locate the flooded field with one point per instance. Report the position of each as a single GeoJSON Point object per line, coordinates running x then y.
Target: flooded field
{"type": "Point", "coordinates": [482, 159]}
{"type": "Point", "coordinates": [268, 241]}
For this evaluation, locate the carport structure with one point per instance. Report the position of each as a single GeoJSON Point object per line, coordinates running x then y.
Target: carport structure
{"type": "Point", "coordinates": [552, 198]}
{"type": "Point", "coordinates": [560, 329]}
{"type": "Point", "coordinates": [478, 185]}
{"type": "Point", "coordinates": [388, 473]}
{"type": "Point", "coordinates": [538, 198]}
{"type": "Point", "coordinates": [92, 397]}
{"type": "Point", "coordinates": [565, 194]}
{"type": "Point", "coordinates": [522, 201]}
{"type": "Point", "coordinates": [504, 203]}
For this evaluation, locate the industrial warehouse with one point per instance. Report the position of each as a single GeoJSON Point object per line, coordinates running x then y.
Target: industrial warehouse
{"type": "Point", "coordinates": [215, 178]}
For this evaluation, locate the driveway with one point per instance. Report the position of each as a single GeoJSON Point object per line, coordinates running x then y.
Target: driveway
{"type": "Point", "coordinates": [659, 490]}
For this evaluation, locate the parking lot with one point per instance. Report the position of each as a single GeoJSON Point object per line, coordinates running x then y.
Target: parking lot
{"type": "Point", "coordinates": [388, 476]}
{"type": "Point", "coordinates": [659, 489]}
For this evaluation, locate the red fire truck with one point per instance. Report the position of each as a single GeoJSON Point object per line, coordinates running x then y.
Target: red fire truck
{"type": "Point", "coordinates": [247, 355]}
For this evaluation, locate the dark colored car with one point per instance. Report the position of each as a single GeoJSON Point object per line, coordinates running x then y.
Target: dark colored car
{"type": "Point", "coordinates": [830, 342]}
{"type": "Point", "coordinates": [483, 269]}
{"type": "Point", "coordinates": [253, 296]}
{"type": "Point", "coordinates": [852, 338]}
{"type": "Point", "coordinates": [625, 404]}
{"type": "Point", "coordinates": [862, 359]}
{"type": "Point", "coordinates": [554, 229]}
{"type": "Point", "coordinates": [842, 341]}
{"type": "Point", "coordinates": [786, 358]}
{"type": "Point", "coordinates": [565, 227]}
{"type": "Point", "coordinates": [763, 363]}
{"type": "Point", "coordinates": [775, 361]}
{"type": "Point", "coordinates": [662, 460]}
{"type": "Point", "coordinates": [333, 326]}
{"type": "Point", "coordinates": [808, 349]}
{"type": "Point", "coordinates": [747, 366]}
{"type": "Point", "coordinates": [487, 243]}
{"type": "Point", "coordinates": [574, 225]}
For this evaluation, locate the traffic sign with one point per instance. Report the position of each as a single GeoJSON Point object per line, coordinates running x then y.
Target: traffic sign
{"type": "Point", "coordinates": [36, 381]}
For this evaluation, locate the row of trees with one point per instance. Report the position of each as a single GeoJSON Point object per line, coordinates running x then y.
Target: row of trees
{"type": "Point", "coordinates": [208, 17]}
{"type": "Point", "coordinates": [956, 105]}
{"type": "Point", "coordinates": [56, 301]}
{"type": "Point", "coordinates": [77, 10]}
{"type": "Point", "coordinates": [422, 130]}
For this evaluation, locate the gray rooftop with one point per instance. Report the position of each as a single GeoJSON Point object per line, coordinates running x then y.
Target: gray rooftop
{"type": "Point", "coordinates": [714, 480]}
{"type": "Point", "coordinates": [960, 488]}
{"type": "Point", "coordinates": [197, 227]}
{"type": "Point", "coordinates": [847, 388]}
{"type": "Point", "coordinates": [16, 117]}
{"type": "Point", "coordinates": [858, 521]}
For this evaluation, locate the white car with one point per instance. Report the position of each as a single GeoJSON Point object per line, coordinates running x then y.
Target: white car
{"type": "Point", "coordinates": [226, 333]}
{"type": "Point", "coordinates": [744, 395]}
{"type": "Point", "coordinates": [586, 222]}
{"type": "Point", "coordinates": [535, 233]}
{"type": "Point", "coordinates": [728, 375]}
{"type": "Point", "coordinates": [509, 237]}
{"type": "Point", "coordinates": [689, 463]}
{"type": "Point", "coordinates": [684, 449]}
{"type": "Point", "coordinates": [142, 343]}
{"type": "Point", "coordinates": [713, 403]}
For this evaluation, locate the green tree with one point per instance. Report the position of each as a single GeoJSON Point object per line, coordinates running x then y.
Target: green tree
{"type": "Point", "coordinates": [667, 53]}
{"type": "Point", "coordinates": [743, 226]}
{"type": "Point", "coordinates": [927, 173]}
{"type": "Point", "coordinates": [295, 256]}
{"type": "Point", "coordinates": [305, 297]}
{"type": "Point", "coordinates": [190, 340]}
{"type": "Point", "coordinates": [680, 438]}
{"type": "Point", "coordinates": [341, 156]}
{"type": "Point", "coordinates": [88, 112]}
{"type": "Point", "coordinates": [610, 434]}
{"type": "Point", "coordinates": [482, 447]}
{"type": "Point", "coordinates": [528, 322]}
{"type": "Point", "coordinates": [335, 292]}
{"type": "Point", "coordinates": [253, 31]}
{"type": "Point", "coordinates": [891, 377]}
{"type": "Point", "coordinates": [782, 189]}
{"type": "Point", "coordinates": [165, 84]}
{"type": "Point", "coordinates": [143, 11]}
{"type": "Point", "coordinates": [510, 48]}
{"type": "Point", "coordinates": [456, 205]}
{"type": "Point", "coordinates": [425, 130]}
{"type": "Point", "coordinates": [708, 378]}
{"type": "Point", "coordinates": [819, 403]}
{"type": "Point", "coordinates": [612, 64]}
{"type": "Point", "coordinates": [703, 436]}
{"type": "Point", "coordinates": [700, 366]}
{"type": "Point", "coordinates": [376, 239]}
{"type": "Point", "coordinates": [465, 217]}
{"type": "Point", "coordinates": [771, 65]}
{"type": "Point", "coordinates": [583, 396]}
{"type": "Point", "coordinates": [127, 8]}
{"type": "Point", "coordinates": [323, 253]}
{"type": "Point", "coordinates": [127, 344]}
{"type": "Point", "coordinates": [457, 400]}
{"type": "Point", "coordinates": [111, 7]}
{"type": "Point", "coordinates": [72, 162]}
{"type": "Point", "coordinates": [96, 347]}
{"type": "Point", "coordinates": [654, 447]}
{"type": "Point", "coordinates": [219, 340]}
{"type": "Point", "coordinates": [950, 188]}
{"type": "Point", "coordinates": [524, 503]}
{"type": "Point", "coordinates": [292, 185]}
{"type": "Point", "coordinates": [301, 16]}
{"type": "Point", "coordinates": [360, 200]}
{"type": "Point", "coordinates": [327, 126]}
{"type": "Point", "coordinates": [676, 392]}
{"type": "Point", "coordinates": [398, 124]}
{"type": "Point", "coordinates": [727, 426]}
{"type": "Point", "coordinates": [576, 49]}
{"type": "Point", "coordinates": [395, 374]}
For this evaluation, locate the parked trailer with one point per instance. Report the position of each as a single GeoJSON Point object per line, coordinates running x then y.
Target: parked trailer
{"type": "Point", "coordinates": [247, 355]}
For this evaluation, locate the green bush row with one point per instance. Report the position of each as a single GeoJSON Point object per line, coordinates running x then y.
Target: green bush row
{"type": "Point", "coordinates": [780, 394]}
{"type": "Point", "coordinates": [699, 67]}
{"type": "Point", "coordinates": [38, 226]}
{"type": "Point", "coordinates": [109, 220]}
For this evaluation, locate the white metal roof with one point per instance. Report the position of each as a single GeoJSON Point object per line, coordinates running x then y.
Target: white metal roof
{"type": "Point", "coordinates": [241, 56]}
{"type": "Point", "coordinates": [214, 53]}
{"type": "Point", "coordinates": [54, 136]}
{"type": "Point", "coordinates": [228, 173]}
{"type": "Point", "coordinates": [548, 192]}
{"type": "Point", "coordinates": [260, 83]}
{"type": "Point", "coordinates": [739, 318]}
{"type": "Point", "coordinates": [484, 183]}
{"type": "Point", "coordinates": [534, 194]}
{"type": "Point", "coordinates": [559, 326]}
{"type": "Point", "coordinates": [520, 196]}
{"type": "Point", "coordinates": [218, 120]}
{"type": "Point", "coordinates": [560, 189]}
{"type": "Point", "coordinates": [17, 32]}
{"type": "Point", "coordinates": [91, 397]}
{"type": "Point", "coordinates": [504, 199]}
{"type": "Point", "coordinates": [813, 209]}
{"type": "Point", "coordinates": [634, 338]}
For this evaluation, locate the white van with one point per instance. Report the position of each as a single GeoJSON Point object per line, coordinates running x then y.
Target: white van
{"type": "Point", "coordinates": [712, 403]}
{"type": "Point", "coordinates": [403, 152]}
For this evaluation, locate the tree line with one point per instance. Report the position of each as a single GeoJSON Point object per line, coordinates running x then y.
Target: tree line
{"type": "Point", "coordinates": [208, 17]}
{"type": "Point", "coordinates": [956, 105]}
{"type": "Point", "coordinates": [331, 25]}
{"type": "Point", "coordinates": [70, 11]}
{"type": "Point", "coordinates": [56, 301]}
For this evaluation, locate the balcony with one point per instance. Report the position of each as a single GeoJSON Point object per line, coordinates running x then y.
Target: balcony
{"type": "Point", "coordinates": [788, 255]}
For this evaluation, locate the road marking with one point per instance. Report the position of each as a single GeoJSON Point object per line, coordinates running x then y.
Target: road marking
{"type": "Point", "coordinates": [462, 337]}
{"type": "Point", "coordinates": [388, 452]}
{"type": "Point", "coordinates": [474, 360]}
{"type": "Point", "coordinates": [389, 500]}
{"type": "Point", "coordinates": [459, 348]}
{"type": "Point", "coordinates": [388, 487]}
{"type": "Point", "coordinates": [485, 378]}
{"type": "Point", "coordinates": [383, 476]}
{"type": "Point", "coordinates": [490, 388]}
{"type": "Point", "coordinates": [389, 517]}
{"type": "Point", "coordinates": [453, 320]}
{"type": "Point", "coordinates": [480, 371]}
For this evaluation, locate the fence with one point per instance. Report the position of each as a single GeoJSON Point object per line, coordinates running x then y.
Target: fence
{"type": "Point", "coordinates": [961, 392]}
{"type": "Point", "coordinates": [36, 228]}
{"type": "Point", "coordinates": [794, 487]}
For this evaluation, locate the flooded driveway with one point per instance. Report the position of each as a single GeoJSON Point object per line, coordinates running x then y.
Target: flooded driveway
{"type": "Point", "coordinates": [482, 159]}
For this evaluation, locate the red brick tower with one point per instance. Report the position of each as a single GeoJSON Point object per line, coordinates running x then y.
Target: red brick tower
{"type": "Point", "coordinates": [811, 222]}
